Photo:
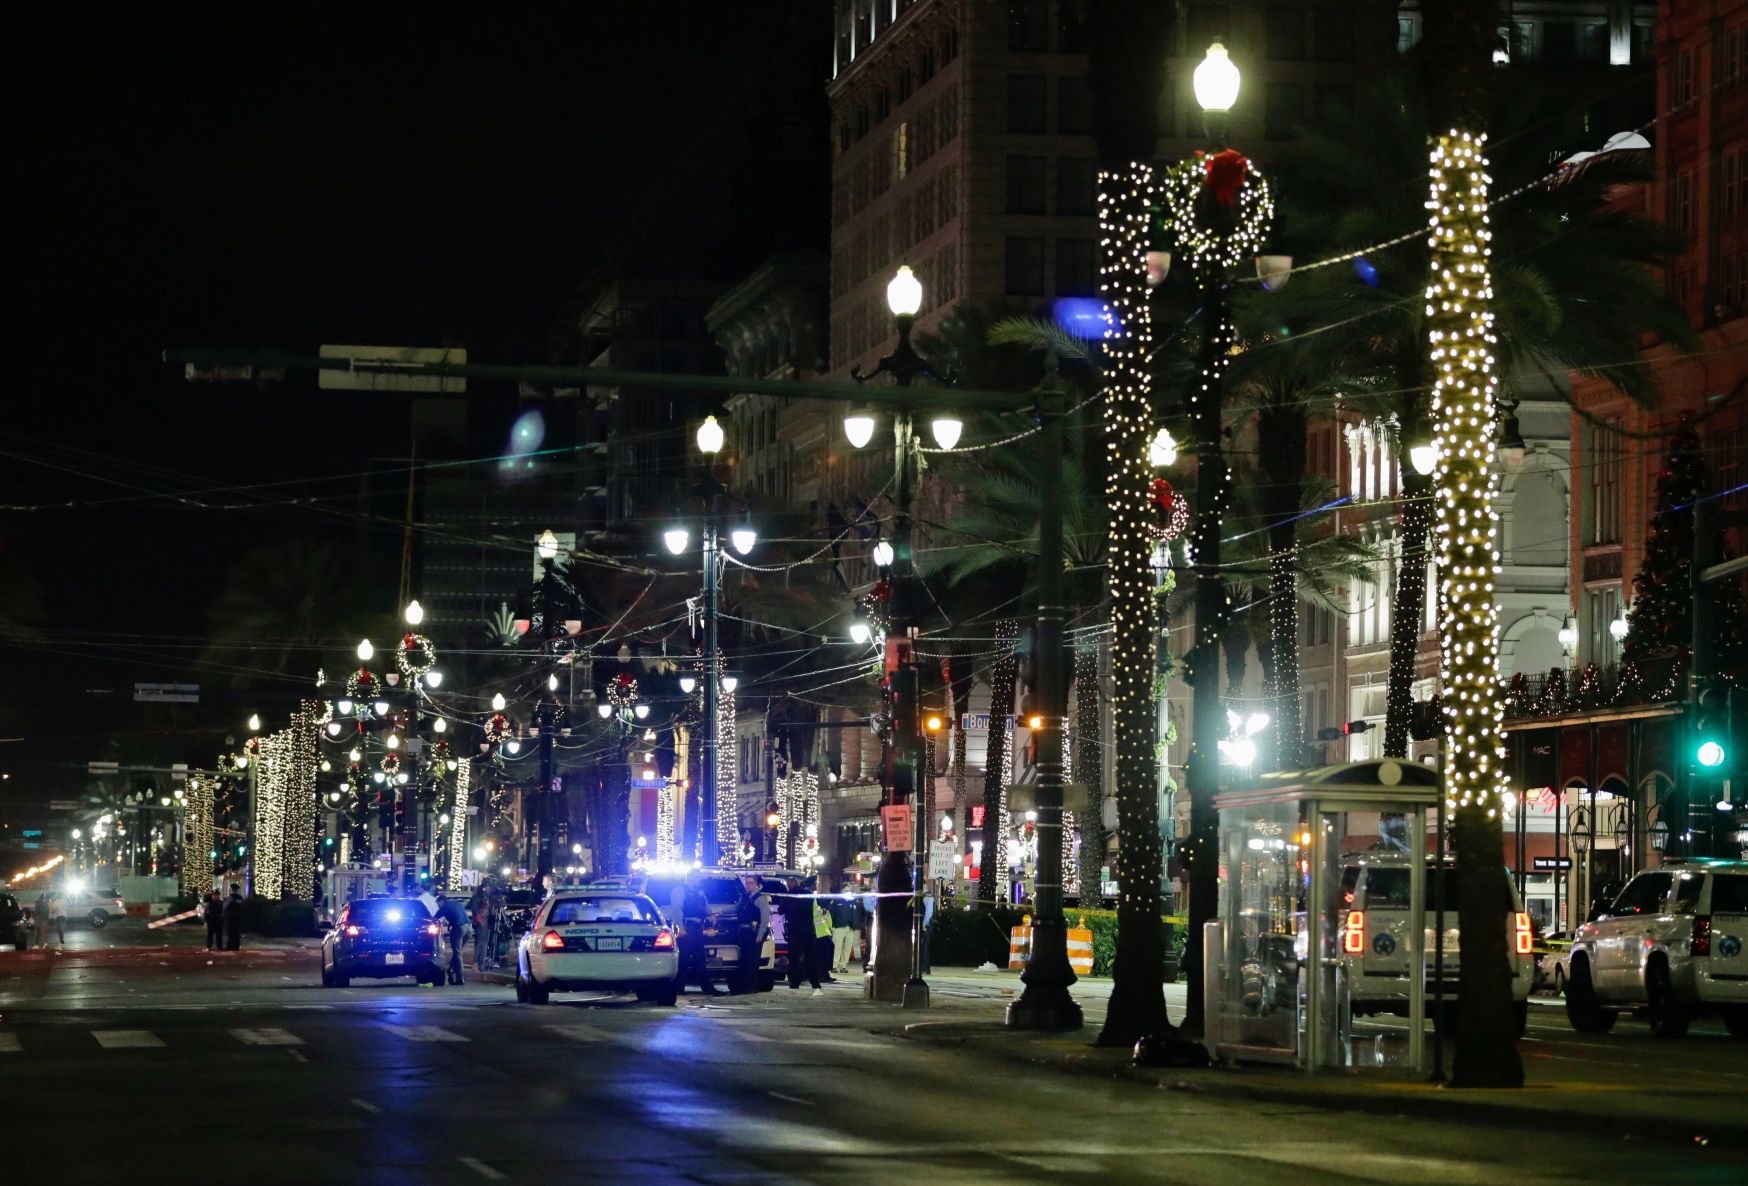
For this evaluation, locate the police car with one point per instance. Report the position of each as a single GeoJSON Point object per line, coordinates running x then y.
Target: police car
{"type": "Point", "coordinates": [598, 938]}
{"type": "Point", "coordinates": [1674, 943]}
{"type": "Point", "coordinates": [1375, 938]}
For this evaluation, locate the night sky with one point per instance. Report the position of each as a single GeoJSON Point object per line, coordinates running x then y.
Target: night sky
{"type": "Point", "coordinates": [194, 177]}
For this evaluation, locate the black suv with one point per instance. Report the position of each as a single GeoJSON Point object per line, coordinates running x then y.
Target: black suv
{"type": "Point", "coordinates": [14, 927]}
{"type": "Point", "coordinates": [384, 937]}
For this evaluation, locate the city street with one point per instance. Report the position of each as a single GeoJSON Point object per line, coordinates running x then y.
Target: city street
{"type": "Point", "coordinates": [138, 1053]}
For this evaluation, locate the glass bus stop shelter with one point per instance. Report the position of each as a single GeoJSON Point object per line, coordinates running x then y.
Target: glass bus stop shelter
{"type": "Point", "coordinates": [1276, 977]}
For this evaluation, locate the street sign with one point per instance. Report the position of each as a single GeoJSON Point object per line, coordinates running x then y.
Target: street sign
{"type": "Point", "coordinates": [1551, 864]}
{"type": "Point", "coordinates": [941, 862]}
{"type": "Point", "coordinates": [649, 784]}
{"type": "Point", "coordinates": [63, 805]}
{"type": "Point", "coordinates": [179, 772]}
{"type": "Point", "coordinates": [978, 722]}
{"type": "Point", "coordinates": [895, 818]}
{"type": "Point", "coordinates": [102, 767]}
{"type": "Point", "coordinates": [389, 357]}
{"type": "Point", "coordinates": [167, 693]}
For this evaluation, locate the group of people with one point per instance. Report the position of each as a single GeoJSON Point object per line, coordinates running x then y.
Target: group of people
{"type": "Point", "coordinates": [824, 933]}
{"type": "Point", "coordinates": [49, 913]}
{"type": "Point", "coordinates": [224, 919]}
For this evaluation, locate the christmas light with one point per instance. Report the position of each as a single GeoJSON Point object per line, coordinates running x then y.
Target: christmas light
{"type": "Point", "coordinates": [1459, 327]}
{"type": "Point", "coordinates": [458, 832]}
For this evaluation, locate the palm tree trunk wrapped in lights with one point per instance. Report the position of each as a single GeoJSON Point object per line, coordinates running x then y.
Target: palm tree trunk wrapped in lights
{"type": "Point", "coordinates": [1460, 346]}
{"type": "Point", "coordinates": [1088, 770]}
{"type": "Point", "coordinates": [992, 873]}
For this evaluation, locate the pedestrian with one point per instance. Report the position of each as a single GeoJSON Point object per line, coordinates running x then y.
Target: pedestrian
{"type": "Point", "coordinates": [843, 916]}
{"type": "Point", "coordinates": [798, 930]}
{"type": "Point", "coordinates": [822, 934]}
{"type": "Point", "coordinates": [39, 915]}
{"type": "Point", "coordinates": [753, 920]}
{"type": "Point", "coordinates": [215, 920]}
{"type": "Point", "coordinates": [693, 912]}
{"type": "Point", "coordinates": [485, 918]}
{"type": "Point", "coordinates": [453, 918]}
{"type": "Point", "coordinates": [234, 919]}
{"type": "Point", "coordinates": [58, 916]}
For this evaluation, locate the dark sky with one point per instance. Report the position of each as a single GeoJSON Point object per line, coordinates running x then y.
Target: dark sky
{"type": "Point", "coordinates": [185, 176]}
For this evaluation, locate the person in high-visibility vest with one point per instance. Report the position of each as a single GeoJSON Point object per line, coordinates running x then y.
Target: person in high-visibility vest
{"type": "Point", "coordinates": [822, 936]}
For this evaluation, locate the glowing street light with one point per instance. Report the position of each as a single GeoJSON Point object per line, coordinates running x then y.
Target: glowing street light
{"type": "Point", "coordinates": [676, 539]}
{"type": "Point", "coordinates": [365, 651]}
{"type": "Point", "coordinates": [415, 613]}
{"type": "Point", "coordinates": [546, 547]}
{"type": "Point", "coordinates": [710, 437]}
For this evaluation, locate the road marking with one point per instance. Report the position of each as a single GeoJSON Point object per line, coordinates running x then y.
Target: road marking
{"type": "Point", "coordinates": [9, 1044]}
{"type": "Point", "coordinates": [297, 1055]}
{"type": "Point", "coordinates": [790, 1099]}
{"type": "Point", "coordinates": [367, 1106]}
{"type": "Point", "coordinates": [752, 1037]}
{"type": "Point", "coordinates": [580, 1033]}
{"type": "Point", "coordinates": [325, 1007]}
{"type": "Point", "coordinates": [267, 1037]}
{"type": "Point", "coordinates": [482, 1169]}
{"type": "Point", "coordinates": [425, 1033]}
{"type": "Point", "coordinates": [126, 1039]}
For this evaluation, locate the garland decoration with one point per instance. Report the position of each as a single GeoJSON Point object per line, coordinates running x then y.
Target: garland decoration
{"type": "Point", "coordinates": [360, 685]}
{"type": "Point", "coordinates": [1218, 209]}
{"type": "Point", "coordinates": [497, 728]}
{"type": "Point", "coordinates": [622, 692]}
{"type": "Point", "coordinates": [1174, 509]}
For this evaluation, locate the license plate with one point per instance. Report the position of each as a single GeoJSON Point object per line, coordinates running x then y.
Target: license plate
{"type": "Point", "coordinates": [394, 957]}
{"type": "Point", "coordinates": [727, 955]}
{"type": "Point", "coordinates": [609, 945]}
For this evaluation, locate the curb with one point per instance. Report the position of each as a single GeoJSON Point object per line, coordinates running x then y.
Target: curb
{"type": "Point", "coordinates": [1411, 1099]}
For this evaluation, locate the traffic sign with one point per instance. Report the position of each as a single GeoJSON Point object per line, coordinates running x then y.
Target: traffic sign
{"type": "Point", "coordinates": [1552, 864]}
{"type": "Point", "coordinates": [167, 693]}
{"type": "Point", "coordinates": [896, 820]}
{"type": "Point", "coordinates": [102, 767]}
{"type": "Point", "coordinates": [941, 862]}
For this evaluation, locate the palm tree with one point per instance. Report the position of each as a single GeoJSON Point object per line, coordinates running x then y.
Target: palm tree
{"type": "Point", "coordinates": [1574, 289]}
{"type": "Point", "coordinates": [281, 605]}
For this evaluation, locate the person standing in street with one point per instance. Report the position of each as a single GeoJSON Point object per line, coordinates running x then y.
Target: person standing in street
{"type": "Point", "coordinates": [234, 919]}
{"type": "Point", "coordinates": [485, 917]}
{"type": "Point", "coordinates": [453, 918]}
{"type": "Point", "coordinates": [798, 931]}
{"type": "Point", "coordinates": [692, 910]}
{"type": "Point", "coordinates": [822, 934]}
{"type": "Point", "coordinates": [843, 916]}
{"type": "Point", "coordinates": [58, 916]}
{"type": "Point", "coordinates": [753, 914]}
{"type": "Point", "coordinates": [215, 920]}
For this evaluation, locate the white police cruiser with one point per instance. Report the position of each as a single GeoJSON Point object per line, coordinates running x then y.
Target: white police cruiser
{"type": "Point", "coordinates": [598, 938]}
{"type": "Point", "coordinates": [1674, 943]}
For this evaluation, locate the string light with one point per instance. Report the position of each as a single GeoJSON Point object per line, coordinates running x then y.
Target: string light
{"type": "Point", "coordinates": [458, 827]}
{"type": "Point", "coordinates": [727, 820]}
{"type": "Point", "coordinates": [1460, 338]}
{"type": "Point", "coordinates": [1087, 767]}
{"type": "Point", "coordinates": [1002, 675]}
{"type": "Point", "coordinates": [197, 831]}
{"type": "Point", "coordinates": [1125, 201]}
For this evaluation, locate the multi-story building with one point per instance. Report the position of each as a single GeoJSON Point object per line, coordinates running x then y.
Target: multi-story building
{"type": "Point", "coordinates": [1607, 775]}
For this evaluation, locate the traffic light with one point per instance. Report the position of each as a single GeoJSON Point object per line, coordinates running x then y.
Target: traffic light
{"type": "Point", "coordinates": [1346, 729]}
{"type": "Point", "coordinates": [1711, 725]}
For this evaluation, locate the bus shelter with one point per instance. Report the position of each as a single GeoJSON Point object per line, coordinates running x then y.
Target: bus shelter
{"type": "Point", "coordinates": [1276, 981]}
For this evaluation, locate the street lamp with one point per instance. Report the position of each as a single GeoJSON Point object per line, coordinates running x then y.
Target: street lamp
{"type": "Point", "coordinates": [1568, 635]}
{"type": "Point", "coordinates": [676, 539]}
{"type": "Point", "coordinates": [883, 555]}
{"type": "Point", "coordinates": [1617, 629]}
{"type": "Point", "coordinates": [415, 613]}
{"type": "Point", "coordinates": [365, 651]}
{"type": "Point", "coordinates": [743, 538]}
{"type": "Point", "coordinates": [1659, 834]}
{"type": "Point", "coordinates": [498, 702]}
{"type": "Point", "coordinates": [860, 632]}
{"type": "Point", "coordinates": [710, 437]}
{"type": "Point", "coordinates": [254, 723]}
{"type": "Point", "coordinates": [1162, 451]}
{"type": "Point", "coordinates": [859, 429]}
{"type": "Point", "coordinates": [1216, 84]}
{"type": "Point", "coordinates": [546, 547]}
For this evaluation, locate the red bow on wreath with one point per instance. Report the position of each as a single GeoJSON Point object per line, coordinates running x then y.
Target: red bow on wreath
{"type": "Point", "coordinates": [1225, 175]}
{"type": "Point", "coordinates": [622, 679]}
{"type": "Point", "coordinates": [1161, 492]}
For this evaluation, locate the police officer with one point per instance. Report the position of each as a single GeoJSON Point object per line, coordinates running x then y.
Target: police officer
{"type": "Point", "coordinates": [234, 919]}
{"type": "Point", "coordinates": [453, 917]}
{"type": "Point", "coordinates": [694, 914]}
{"type": "Point", "coordinates": [753, 916]}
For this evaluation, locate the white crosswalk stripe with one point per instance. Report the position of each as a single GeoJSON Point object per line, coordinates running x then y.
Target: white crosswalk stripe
{"type": "Point", "coordinates": [267, 1037]}
{"type": "Point", "coordinates": [126, 1039]}
{"type": "Point", "coordinates": [425, 1033]}
{"type": "Point", "coordinates": [580, 1033]}
{"type": "Point", "coordinates": [9, 1044]}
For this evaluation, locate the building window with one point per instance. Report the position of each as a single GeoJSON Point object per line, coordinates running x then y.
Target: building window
{"type": "Point", "coordinates": [1076, 268]}
{"type": "Point", "coordinates": [882, 104]}
{"type": "Point", "coordinates": [1076, 185]}
{"type": "Point", "coordinates": [1025, 267]}
{"type": "Point", "coordinates": [1286, 34]}
{"type": "Point", "coordinates": [1603, 455]}
{"type": "Point", "coordinates": [1208, 22]}
{"type": "Point", "coordinates": [1283, 110]}
{"type": "Point", "coordinates": [1593, 43]}
{"type": "Point", "coordinates": [1026, 185]}
{"type": "Point", "coordinates": [1685, 81]}
{"type": "Point", "coordinates": [925, 67]}
{"type": "Point", "coordinates": [1073, 104]}
{"type": "Point", "coordinates": [1407, 33]}
{"type": "Point", "coordinates": [1644, 39]}
{"type": "Point", "coordinates": [1733, 162]}
{"type": "Point", "coordinates": [1071, 26]}
{"type": "Point", "coordinates": [901, 151]}
{"type": "Point", "coordinates": [1735, 54]}
{"type": "Point", "coordinates": [1027, 103]}
{"type": "Point", "coordinates": [1333, 29]}
{"type": "Point", "coordinates": [1519, 38]}
{"type": "Point", "coordinates": [1333, 98]}
{"type": "Point", "coordinates": [1559, 43]}
{"type": "Point", "coordinates": [949, 45]}
{"type": "Point", "coordinates": [1028, 25]}
{"type": "Point", "coordinates": [1733, 284]}
{"type": "Point", "coordinates": [1681, 210]}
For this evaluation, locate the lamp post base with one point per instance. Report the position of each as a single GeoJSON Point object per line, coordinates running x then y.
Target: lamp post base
{"type": "Point", "coordinates": [916, 993]}
{"type": "Point", "coordinates": [1047, 1009]}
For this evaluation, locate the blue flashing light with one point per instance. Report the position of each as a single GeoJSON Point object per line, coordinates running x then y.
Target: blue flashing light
{"type": "Point", "coordinates": [1084, 317]}
{"type": "Point", "coordinates": [1363, 268]}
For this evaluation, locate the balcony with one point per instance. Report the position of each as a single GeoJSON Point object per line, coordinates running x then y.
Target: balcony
{"type": "Point", "coordinates": [1563, 693]}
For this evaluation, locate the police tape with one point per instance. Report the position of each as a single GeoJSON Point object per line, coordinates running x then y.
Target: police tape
{"type": "Point", "coordinates": [170, 918]}
{"type": "Point", "coordinates": [1180, 920]}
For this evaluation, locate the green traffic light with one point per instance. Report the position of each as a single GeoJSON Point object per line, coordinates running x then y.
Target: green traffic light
{"type": "Point", "coordinates": [1710, 753]}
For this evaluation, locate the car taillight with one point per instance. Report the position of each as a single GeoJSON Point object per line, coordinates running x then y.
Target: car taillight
{"type": "Point", "coordinates": [552, 941]}
{"type": "Point", "coordinates": [1353, 934]}
{"type": "Point", "coordinates": [1525, 942]}
{"type": "Point", "coordinates": [430, 928]}
{"type": "Point", "coordinates": [664, 938]}
{"type": "Point", "coordinates": [354, 932]}
{"type": "Point", "coordinates": [1702, 934]}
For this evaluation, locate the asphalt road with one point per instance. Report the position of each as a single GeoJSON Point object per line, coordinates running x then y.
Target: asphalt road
{"type": "Point", "coordinates": [151, 1064]}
